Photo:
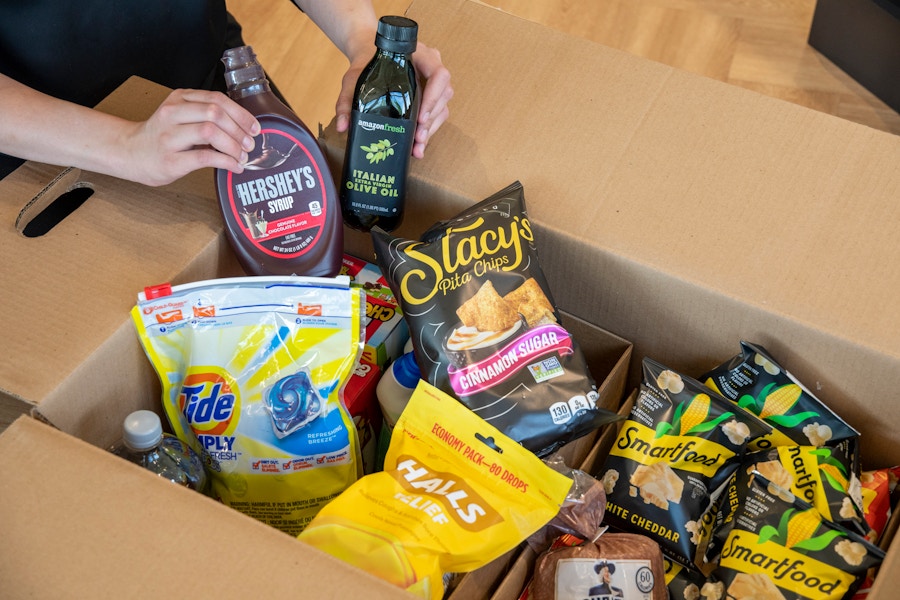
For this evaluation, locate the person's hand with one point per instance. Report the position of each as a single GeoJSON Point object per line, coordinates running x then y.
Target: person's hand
{"type": "Point", "coordinates": [190, 130]}
{"type": "Point", "coordinates": [433, 108]}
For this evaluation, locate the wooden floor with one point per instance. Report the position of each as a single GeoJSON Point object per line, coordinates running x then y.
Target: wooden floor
{"type": "Point", "coordinates": [756, 44]}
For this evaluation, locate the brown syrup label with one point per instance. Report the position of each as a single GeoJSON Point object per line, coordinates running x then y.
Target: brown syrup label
{"type": "Point", "coordinates": [279, 201]}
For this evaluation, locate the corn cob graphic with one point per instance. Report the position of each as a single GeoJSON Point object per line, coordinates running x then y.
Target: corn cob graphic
{"type": "Point", "coordinates": [802, 526]}
{"type": "Point", "coordinates": [695, 414]}
{"type": "Point", "coordinates": [781, 400]}
{"type": "Point", "coordinates": [835, 475]}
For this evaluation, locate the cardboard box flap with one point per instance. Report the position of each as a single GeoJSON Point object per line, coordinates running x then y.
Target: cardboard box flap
{"type": "Point", "coordinates": [82, 277]}
{"type": "Point", "coordinates": [110, 530]}
{"type": "Point", "coordinates": [631, 155]}
{"type": "Point", "coordinates": [695, 213]}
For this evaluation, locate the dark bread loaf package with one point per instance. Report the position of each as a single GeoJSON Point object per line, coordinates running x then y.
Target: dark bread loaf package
{"type": "Point", "coordinates": [582, 513]}
{"type": "Point", "coordinates": [616, 565]}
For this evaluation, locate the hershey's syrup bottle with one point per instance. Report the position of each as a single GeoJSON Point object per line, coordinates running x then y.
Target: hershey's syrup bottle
{"type": "Point", "coordinates": [382, 128]}
{"type": "Point", "coordinates": [282, 214]}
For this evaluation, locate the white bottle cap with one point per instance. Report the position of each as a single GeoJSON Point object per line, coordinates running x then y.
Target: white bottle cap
{"type": "Point", "coordinates": [142, 430]}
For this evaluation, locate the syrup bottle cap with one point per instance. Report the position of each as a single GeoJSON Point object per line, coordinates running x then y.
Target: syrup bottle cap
{"type": "Point", "coordinates": [241, 67]}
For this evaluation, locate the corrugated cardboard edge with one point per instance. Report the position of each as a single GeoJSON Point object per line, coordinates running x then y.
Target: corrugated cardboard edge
{"type": "Point", "coordinates": [61, 397]}
{"type": "Point", "coordinates": [122, 358]}
{"type": "Point", "coordinates": [100, 517]}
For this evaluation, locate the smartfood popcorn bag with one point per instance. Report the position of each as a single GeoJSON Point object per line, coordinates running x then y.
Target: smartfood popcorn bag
{"type": "Point", "coordinates": [672, 458]}
{"type": "Point", "coordinates": [252, 371]}
{"type": "Point", "coordinates": [454, 495]}
{"type": "Point", "coordinates": [782, 548]}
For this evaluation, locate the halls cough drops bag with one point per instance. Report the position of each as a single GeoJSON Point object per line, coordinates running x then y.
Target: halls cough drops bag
{"type": "Point", "coordinates": [454, 495]}
{"type": "Point", "coordinates": [252, 371]}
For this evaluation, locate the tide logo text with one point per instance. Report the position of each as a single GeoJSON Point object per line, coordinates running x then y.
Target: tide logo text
{"type": "Point", "coordinates": [217, 407]}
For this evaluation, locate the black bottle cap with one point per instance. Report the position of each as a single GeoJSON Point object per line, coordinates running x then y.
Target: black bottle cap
{"type": "Point", "coordinates": [397, 34]}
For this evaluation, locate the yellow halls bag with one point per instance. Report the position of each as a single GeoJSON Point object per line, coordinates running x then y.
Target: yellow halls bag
{"type": "Point", "coordinates": [455, 494]}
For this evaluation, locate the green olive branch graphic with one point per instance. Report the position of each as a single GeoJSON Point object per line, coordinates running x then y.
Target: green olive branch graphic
{"type": "Point", "coordinates": [378, 151]}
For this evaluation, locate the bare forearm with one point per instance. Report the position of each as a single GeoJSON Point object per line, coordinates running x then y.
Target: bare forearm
{"type": "Point", "coordinates": [42, 128]}
{"type": "Point", "coordinates": [349, 24]}
{"type": "Point", "coordinates": [190, 130]}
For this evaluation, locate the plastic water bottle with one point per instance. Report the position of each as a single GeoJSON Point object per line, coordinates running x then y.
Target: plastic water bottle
{"type": "Point", "coordinates": [393, 392]}
{"type": "Point", "coordinates": [144, 443]}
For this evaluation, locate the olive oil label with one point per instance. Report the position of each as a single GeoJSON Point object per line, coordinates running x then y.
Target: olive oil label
{"type": "Point", "coordinates": [279, 201]}
{"type": "Point", "coordinates": [376, 175]}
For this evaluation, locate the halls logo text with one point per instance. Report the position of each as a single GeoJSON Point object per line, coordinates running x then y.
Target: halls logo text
{"type": "Point", "coordinates": [370, 126]}
{"type": "Point", "coordinates": [442, 496]}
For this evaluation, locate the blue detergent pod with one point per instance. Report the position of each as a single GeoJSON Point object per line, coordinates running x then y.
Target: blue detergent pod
{"type": "Point", "coordinates": [293, 402]}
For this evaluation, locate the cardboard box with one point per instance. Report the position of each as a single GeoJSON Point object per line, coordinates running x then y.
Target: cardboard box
{"type": "Point", "coordinates": [68, 348]}
{"type": "Point", "coordinates": [386, 330]}
{"type": "Point", "coordinates": [78, 522]}
{"type": "Point", "coordinates": [862, 37]}
{"type": "Point", "coordinates": [679, 212]}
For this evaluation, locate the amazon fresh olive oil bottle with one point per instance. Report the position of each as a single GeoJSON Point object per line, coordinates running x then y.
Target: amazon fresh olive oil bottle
{"type": "Point", "coordinates": [382, 127]}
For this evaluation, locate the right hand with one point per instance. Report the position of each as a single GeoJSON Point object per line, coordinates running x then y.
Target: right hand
{"type": "Point", "coordinates": [190, 130]}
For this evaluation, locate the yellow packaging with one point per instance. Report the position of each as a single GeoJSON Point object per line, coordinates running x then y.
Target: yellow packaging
{"type": "Point", "coordinates": [252, 371]}
{"type": "Point", "coordinates": [455, 494]}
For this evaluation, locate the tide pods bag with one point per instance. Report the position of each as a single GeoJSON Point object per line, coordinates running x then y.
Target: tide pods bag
{"type": "Point", "coordinates": [252, 371]}
{"type": "Point", "coordinates": [782, 548]}
{"type": "Point", "coordinates": [672, 458]}
{"type": "Point", "coordinates": [454, 495]}
{"type": "Point", "coordinates": [757, 382]}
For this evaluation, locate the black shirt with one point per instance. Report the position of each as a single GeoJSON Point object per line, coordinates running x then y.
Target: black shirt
{"type": "Point", "coordinates": [83, 50]}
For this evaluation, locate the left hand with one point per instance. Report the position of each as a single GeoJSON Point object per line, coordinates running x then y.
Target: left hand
{"type": "Point", "coordinates": [433, 108]}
